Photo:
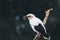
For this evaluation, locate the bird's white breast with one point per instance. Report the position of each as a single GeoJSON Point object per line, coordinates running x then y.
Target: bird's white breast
{"type": "Point", "coordinates": [34, 22]}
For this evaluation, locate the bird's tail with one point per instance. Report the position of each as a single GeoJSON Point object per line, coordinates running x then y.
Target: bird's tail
{"type": "Point", "coordinates": [46, 38]}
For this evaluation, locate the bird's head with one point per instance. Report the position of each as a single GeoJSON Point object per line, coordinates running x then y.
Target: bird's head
{"type": "Point", "coordinates": [29, 16]}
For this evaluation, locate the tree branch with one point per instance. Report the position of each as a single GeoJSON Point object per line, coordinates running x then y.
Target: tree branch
{"type": "Point", "coordinates": [46, 16]}
{"type": "Point", "coordinates": [44, 22]}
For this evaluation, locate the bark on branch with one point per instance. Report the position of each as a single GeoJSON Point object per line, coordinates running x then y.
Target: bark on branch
{"type": "Point", "coordinates": [46, 16]}
{"type": "Point", "coordinates": [44, 22]}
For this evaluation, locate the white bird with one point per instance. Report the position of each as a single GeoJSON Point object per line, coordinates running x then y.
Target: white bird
{"type": "Point", "coordinates": [37, 25]}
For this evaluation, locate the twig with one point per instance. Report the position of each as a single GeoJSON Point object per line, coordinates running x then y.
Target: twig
{"type": "Point", "coordinates": [46, 16]}
{"type": "Point", "coordinates": [37, 36]}
{"type": "Point", "coordinates": [44, 22]}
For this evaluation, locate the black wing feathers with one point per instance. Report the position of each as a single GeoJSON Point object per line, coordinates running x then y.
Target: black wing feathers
{"type": "Point", "coordinates": [41, 30]}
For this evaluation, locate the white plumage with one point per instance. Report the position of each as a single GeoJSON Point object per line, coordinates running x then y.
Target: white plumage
{"type": "Point", "coordinates": [34, 21]}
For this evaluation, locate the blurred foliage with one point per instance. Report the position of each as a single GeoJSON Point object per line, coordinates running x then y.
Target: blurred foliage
{"type": "Point", "coordinates": [12, 25]}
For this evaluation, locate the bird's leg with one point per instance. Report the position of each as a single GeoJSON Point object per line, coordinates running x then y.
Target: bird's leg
{"type": "Point", "coordinates": [37, 36]}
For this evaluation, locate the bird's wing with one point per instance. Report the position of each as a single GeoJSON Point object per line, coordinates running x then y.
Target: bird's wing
{"type": "Point", "coordinates": [41, 23]}
{"type": "Point", "coordinates": [41, 30]}
{"type": "Point", "coordinates": [33, 28]}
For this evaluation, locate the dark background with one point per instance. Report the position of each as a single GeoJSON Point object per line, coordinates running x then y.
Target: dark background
{"type": "Point", "coordinates": [12, 25]}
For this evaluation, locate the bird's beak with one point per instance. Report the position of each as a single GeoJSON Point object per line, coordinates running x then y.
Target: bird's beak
{"type": "Point", "coordinates": [24, 17]}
